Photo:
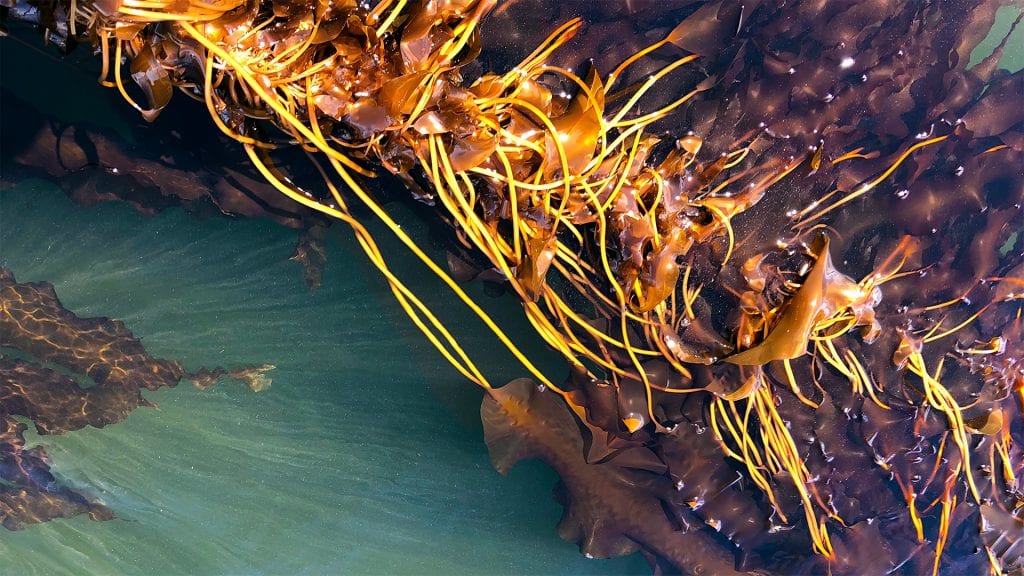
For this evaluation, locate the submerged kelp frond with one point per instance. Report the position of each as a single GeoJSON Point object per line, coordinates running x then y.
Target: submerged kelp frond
{"type": "Point", "coordinates": [702, 280]}
{"type": "Point", "coordinates": [104, 370]}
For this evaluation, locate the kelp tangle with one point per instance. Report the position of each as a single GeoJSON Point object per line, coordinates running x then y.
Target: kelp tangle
{"type": "Point", "coordinates": [48, 354]}
{"type": "Point", "coordinates": [777, 243]}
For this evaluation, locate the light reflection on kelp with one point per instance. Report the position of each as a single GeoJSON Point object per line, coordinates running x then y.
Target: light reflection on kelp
{"type": "Point", "coordinates": [793, 325]}
{"type": "Point", "coordinates": [108, 368]}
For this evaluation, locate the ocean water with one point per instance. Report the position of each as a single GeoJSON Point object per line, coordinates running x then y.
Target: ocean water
{"type": "Point", "coordinates": [364, 457]}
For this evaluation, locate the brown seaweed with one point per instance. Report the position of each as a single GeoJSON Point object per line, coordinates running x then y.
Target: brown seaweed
{"type": "Point", "coordinates": [874, 417]}
{"type": "Point", "coordinates": [611, 510]}
{"type": "Point", "coordinates": [94, 373]}
{"type": "Point", "coordinates": [161, 167]}
{"type": "Point", "coordinates": [104, 350]}
{"type": "Point", "coordinates": [254, 377]}
{"type": "Point", "coordinates": [311, 254]}
{"type": "Point", "coordinates": [30, 493]}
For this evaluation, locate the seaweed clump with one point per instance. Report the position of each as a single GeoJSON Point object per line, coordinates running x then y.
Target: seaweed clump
{"type": "Point", "coordinates": [793, 324]}
{"type": "Point", "coordinates": [63, 373]}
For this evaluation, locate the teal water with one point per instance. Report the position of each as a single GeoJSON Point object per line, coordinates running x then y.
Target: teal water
{"type": "Point", "coordinates": [364, 457]}
{"type": "Point", "coordinates": [1013, 52]}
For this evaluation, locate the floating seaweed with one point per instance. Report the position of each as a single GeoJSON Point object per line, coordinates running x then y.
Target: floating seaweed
{"type": "Point", "coordinates": [254, 377]}
{"type": "Point", "coordinates": [30, 493]}
{"type": "Point", "coordinates": [160, 167]}
{"type": "Point", "coordinates": [312, 255]}
{"type": "Point", "coordinates": [793, 329]}
{"type": "Point", "coordinates": [66, 352]}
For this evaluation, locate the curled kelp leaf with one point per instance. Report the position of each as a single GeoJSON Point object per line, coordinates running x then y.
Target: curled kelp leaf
{"type": "Point", "coordinates": [154, 81]}
{"type": "Point", "coordinates": [822, 293]}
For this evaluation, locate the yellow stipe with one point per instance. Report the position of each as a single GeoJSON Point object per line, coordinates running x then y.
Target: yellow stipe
{"type": "Point", "coordinates": [865, 379]}
{"type": "Point", "coordinates": [402, 294]}
{"type": "Point", "coordinates": [933, 337]}
{"type": "Point", "coordinates": [212, 108]}
{"type": "Point", "coordinates": [639, 369]}
{"type": "Point", "coordinates": [948, 504]}
{"type": "Point", "coordinates": [268, 98]}
{"type": "Point", "coordinates": [616, 120]}
{"type": "Point", "coordinates": [339, 162]}
{"type": "Point", "coordinates": [628, 62]}
{"type": "Point", "coordinates": [621, 179]}
{"type": "Point", "coordinates": [444, 277]}
{"type": "Point", "coordinates": [566, 183]}
{"type": "Point", "coordinates": [952, 302]}
{"type": "Point", "coordinates": [513, 194]}
{"type": "Point", "coordinates": [461, 36]}
{"type": "Point", "coordinates": [796, 387]}
{"type": "Point", "coordinates": [590, 329]}
{"type": "Point", "coordinates": [715, 408]}
{"type": "Point", "coordinates": [105, 37]}
{"type": "Point", "coordinates": [940, 398]}
{"type": "Point", "coordinates": [560, 36]}
{"type": "Point", "coordinates": [117, 76]}
{"type": "Point", "coordinates": [780, 441]}
{"type": "Point", "coordinates": [863, 189]}
{"type": "Point", "coordinates": [911, 497]}
{"type": "Point", "coordinates": [1003, 449]}
{"type": "Point", "coordinates": [994, 564]}
{"type": "Point", "coordinates": [728, 229]}
{"type": "Point", "coordinates": [659, 113]}
{"type": "Point", "coordinates": [391, 17]}
{"type": "Point", "coordinates": [688, 297]}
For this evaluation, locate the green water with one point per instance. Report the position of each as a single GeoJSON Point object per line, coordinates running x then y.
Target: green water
{"type": "Point", "coordinates": [1013, 52]}
{"type": "Point", "coordinates": [364, 457]}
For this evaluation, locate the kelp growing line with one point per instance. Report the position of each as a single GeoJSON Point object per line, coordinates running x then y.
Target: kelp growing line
{"type": "Point", "coordinates": [777, 244]}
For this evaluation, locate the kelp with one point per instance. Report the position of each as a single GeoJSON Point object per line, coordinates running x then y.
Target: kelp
{"type": "Point", "coordinates": [612, 508]}
{"type": "Point", "coordinates": [30, 493]}
{"type": "Point", "coordinates": [155, 167]}
{"type": "Point", "coordinates": [63, 372]}
{"type": "Point", "coordinates": [776, 242]}
{"type": "Point", "coordinates": [311, 254]}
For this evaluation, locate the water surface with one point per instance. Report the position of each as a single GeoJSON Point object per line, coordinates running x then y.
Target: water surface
{"type": "Point", "coordinates": [364, 457]}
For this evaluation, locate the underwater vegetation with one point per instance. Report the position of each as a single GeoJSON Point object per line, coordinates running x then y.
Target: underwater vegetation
{"type": "Point", "coordinates": [777, 243]}
{"type": "Point", "coordinates": [49, 352]}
